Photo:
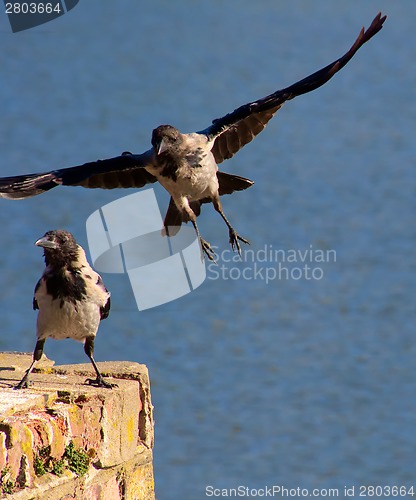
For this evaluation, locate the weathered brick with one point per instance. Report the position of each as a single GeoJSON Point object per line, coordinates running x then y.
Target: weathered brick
{"type": "Point", "coordinates": [120, 424]}
{"type": "Point", "coordinates": [3, 450]}
{"type": "Point", "coordinates": [19, 443]}
{"type": "Point", "coordinates": [106, 491]}
{"type": "Point", "coordinates": [110, 424]}
{"type": "Point", "coordinates": [140, 483]}
{"type": "Point", "coordinates": [116, 426]}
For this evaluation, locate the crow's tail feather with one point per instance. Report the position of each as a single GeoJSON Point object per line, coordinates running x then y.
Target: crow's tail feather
{"type": "Point", "coordinates": [229, 183]}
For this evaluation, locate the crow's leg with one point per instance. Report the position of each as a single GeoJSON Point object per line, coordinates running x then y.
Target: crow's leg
{"type": "Point", "coordinates": [37, 354]}
{"type": "Point", "coordinates": [189, 214]}
{"type": "Point", "coordinates": [234, 237]}
{"type": "Point", "coordinates": [184, 207]}
{"type": "Point", "coordinates": [89, 351]}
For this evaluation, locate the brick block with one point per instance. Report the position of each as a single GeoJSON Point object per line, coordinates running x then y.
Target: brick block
{"type": "Point", "coordinates": [114, 426]}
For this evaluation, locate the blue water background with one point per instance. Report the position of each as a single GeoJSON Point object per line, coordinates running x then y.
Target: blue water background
{"type": "Point", "coordinates": [296, 382]}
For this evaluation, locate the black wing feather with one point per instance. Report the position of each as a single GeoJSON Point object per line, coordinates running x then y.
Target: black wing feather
{"type": "Point", "coordinates": [122, 171]}
{"type": "Point", "coordinates": [35, 302]}
{"type": "Point", "coordinates": [236, 129]}
{"type": "Point", "coordinates": [105, 309]}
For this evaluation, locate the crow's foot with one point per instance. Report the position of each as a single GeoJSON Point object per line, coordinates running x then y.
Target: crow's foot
{"type": "Point", "coordinates": [23, 384]}
{"type": "Point", "coordinates": [207, 249]}
{"type": "Point", "coordinates": [235, 245]}
{"type": "Point", "coordinates": [100, 382]}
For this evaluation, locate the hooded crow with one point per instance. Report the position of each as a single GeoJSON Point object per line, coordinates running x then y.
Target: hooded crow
{"type": "Point", "coordinates": [186, 164]}
{"type": "Point", "coordinates": [71, 298]}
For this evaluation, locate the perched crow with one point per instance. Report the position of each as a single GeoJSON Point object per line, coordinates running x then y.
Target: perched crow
{"type": "Point", "coordinates": [186, 164]}
{"type": "Point", "coordinates": [71, 298]}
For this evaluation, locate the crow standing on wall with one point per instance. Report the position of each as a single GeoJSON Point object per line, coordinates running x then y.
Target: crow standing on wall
{"type": "Point", "coordinates": [71, 298]}
{"type": "Point", "coordinates": [186, 164]}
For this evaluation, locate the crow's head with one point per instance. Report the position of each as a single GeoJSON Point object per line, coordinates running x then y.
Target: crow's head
{"type": "Point", "coordinates": [165, 139]}
{"type": "Point", "coordinates": [60, 247]}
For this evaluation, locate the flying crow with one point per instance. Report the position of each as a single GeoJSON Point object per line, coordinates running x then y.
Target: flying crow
{"type": "Point", "coordinates": [186, 164]}
{"type": "Point", "coordinates": [71, 298]}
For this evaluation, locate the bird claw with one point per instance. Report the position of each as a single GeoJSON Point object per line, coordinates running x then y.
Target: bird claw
{"type": "Point", "coordinates": [23, 384]}
{"type": "Point", "coordinates": [235, 245]}
{"type": "Point", "coordinates": [100, 382]}
{"type": "Point", "coordinates": [207, 250]}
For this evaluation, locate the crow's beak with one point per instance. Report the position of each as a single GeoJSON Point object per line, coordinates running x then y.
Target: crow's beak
{"type": "Point", "coordinates": [161, 147]}
{"type": "Point", "coordinates": [45, 243]}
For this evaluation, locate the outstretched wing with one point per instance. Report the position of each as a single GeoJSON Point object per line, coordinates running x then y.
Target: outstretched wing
{"type": "Point", "coordinates": [125, 171]}
{"type": "Point", "coordinates": [236, 129]}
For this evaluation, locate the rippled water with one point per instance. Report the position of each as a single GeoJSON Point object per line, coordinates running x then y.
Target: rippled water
{"type": "Point", "coordinates": [301, 382]}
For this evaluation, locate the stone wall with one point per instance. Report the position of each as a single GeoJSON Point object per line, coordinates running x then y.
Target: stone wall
{"type": "Point", "coordinates": [63, 439]}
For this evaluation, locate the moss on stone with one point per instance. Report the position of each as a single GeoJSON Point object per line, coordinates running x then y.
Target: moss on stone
{"type": "Point", "coordinates": [39, 466]}
{"type": "Point", "coordinates": [78, 459]}
{"type": "Point", "coordinates": [58, 467]}
{"type": "Point", "coordinates": [6, 484]}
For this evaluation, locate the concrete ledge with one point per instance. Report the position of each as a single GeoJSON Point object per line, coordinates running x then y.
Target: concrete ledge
{"type": "Point", "coordinates": [114, 427]}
